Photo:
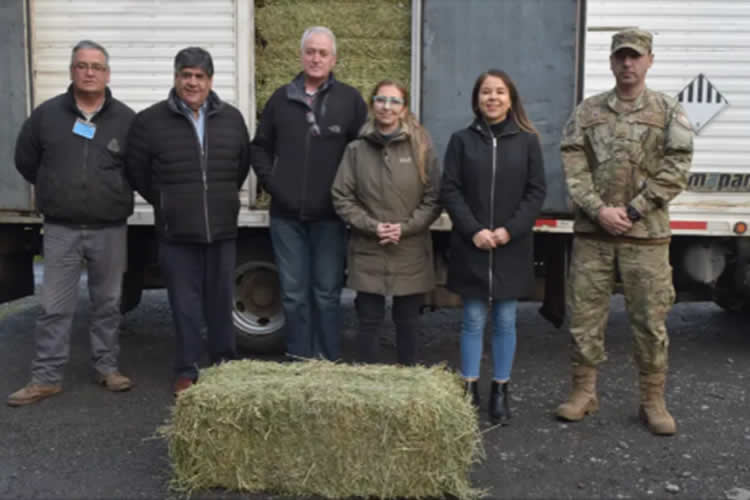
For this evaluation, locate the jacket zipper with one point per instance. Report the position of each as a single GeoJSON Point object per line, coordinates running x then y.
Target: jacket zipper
{"type": "Point", "coordinates": [85, 164]}
{"type": "Point", "coordinates": [492, 214]}
{"type": "Point", "coordinates": [308, 143]}
{"type": "Point", "coordinates": [203, 150]}
{"type": "Point", "coordinates": [308, 140]}
{"type": "Point", "coordinates": [204, 169]}
{"type": "Point", "coordinates": [386, 258]}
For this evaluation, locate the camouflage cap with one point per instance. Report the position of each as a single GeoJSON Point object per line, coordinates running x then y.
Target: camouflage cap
{"type": "Point", "coordinates": [638, 40]}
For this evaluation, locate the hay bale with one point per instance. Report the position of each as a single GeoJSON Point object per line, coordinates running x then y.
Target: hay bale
{"type": "Point", "coordinates": [373, 43]}
{"type": "Point", "coordinates": [320, 428]}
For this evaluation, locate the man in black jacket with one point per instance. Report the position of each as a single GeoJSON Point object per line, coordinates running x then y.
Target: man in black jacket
{"type": "Point", "coordinates": [188, 157]}
{"type": "Point", "coordinates": [71, 149]}
{"type": "Point", "coordinates": [302, 134]}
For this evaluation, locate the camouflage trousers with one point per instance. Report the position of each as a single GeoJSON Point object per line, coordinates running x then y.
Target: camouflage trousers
{"type": "Point", "coordinates": [649, 295]}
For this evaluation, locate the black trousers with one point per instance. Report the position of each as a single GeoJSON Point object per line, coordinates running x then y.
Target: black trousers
{"type": "Point", "coordinates": [200, 282]}
{"type": "Point", "coordinates": [371, 314]}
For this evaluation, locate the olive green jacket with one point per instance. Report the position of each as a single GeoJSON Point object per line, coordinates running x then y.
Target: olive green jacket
{"type": "Point", "coordinates": [379, 182]}
{"type": "Point", "coordinates": [617, 157]}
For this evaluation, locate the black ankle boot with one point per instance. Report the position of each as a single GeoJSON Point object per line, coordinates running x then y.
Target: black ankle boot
{"type": "Point", "coordinates": [499, 404]}
{"type": "Point", "coordinates": [472, 387]}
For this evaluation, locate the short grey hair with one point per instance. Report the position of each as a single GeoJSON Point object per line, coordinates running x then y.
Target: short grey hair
{"type": "Point", "coordinates": [88, 44]}
{"type": "Point", "coordinates": [194, 57]}
{"type": "Point", "coordinates": [317, 29]}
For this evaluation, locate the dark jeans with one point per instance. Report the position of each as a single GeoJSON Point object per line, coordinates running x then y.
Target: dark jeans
{"type": "Point", "coordinates": [200, 282]}
{"type": "Point", "coordinates": [371, 313]}
{"type": "Point", "coordinates": [310, 257]}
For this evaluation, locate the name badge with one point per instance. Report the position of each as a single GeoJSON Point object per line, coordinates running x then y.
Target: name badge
{"type": "Point", "coordinates": [84, 129]}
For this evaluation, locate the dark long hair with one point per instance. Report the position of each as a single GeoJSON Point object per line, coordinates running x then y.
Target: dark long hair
{"type": "Point", "coordinates": [419, 140]}
{"type": "Point", "coordinates": [516, 106]}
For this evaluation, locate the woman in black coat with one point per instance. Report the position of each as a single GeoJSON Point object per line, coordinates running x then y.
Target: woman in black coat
{"type": "Point", "coordinates": [493, 189]}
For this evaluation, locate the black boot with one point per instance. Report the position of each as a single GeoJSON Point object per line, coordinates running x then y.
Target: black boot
{"type": "Point", "coordinates": [472, 386]}
{"type": "Point", "coordinates": [499, 404]}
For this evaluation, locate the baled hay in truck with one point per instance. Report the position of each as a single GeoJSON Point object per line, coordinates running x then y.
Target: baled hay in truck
{"type": "Point", "coordinates": [373, 41]}
{"type": "Point", "coordinates": [321, 428]}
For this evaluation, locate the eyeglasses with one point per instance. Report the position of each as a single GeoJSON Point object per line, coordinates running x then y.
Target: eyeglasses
{"type": "Point", "coordinates": [382, 100]}
{"type": "Point", "coordinates": [82, 66]}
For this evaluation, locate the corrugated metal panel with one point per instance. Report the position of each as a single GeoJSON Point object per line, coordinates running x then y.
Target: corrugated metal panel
{"type": "Point", "coordinates": [711, 37]}
{"type": "Point", "coordinates": [142, 37]}
{"type": "Point", "coordinates": [15, 193]}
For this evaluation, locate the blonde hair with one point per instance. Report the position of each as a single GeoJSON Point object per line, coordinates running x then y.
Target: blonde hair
{"type": "Point", "coordinates": [419, 139]}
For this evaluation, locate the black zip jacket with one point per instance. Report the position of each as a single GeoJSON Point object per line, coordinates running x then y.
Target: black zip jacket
{"type": "Point", "coordinates": [491, 182]}
{"type": "Point", "coordinates": [78, 181]}
{"type": "Point", "coordinates": [295, 156]}
{"type": "Point", "coordinates": [194, 190]}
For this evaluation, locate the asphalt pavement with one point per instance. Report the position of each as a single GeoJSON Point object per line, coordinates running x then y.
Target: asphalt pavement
{"type": "Point", "coordinates": [88, 443]}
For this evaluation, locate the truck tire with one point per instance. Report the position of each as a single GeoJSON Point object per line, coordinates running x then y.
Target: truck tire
{"type": "Point", "coordinates": [257, 313]}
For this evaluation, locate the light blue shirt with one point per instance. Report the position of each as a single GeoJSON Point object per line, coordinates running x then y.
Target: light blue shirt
{"type": "Point", "coordinates": [200, 122]}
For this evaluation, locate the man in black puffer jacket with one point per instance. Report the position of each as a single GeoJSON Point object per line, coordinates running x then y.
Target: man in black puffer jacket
{"type": "Point", "coordinates": [188, 157]}
{"type": "Point", "coordinates": [70, 149]}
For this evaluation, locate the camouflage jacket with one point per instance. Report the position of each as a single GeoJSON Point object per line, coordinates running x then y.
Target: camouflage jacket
{"type": "Point", "coordinates": [639, 156]}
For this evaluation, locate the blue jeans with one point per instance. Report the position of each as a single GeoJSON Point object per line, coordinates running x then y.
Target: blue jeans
{"type": "Point", "coordinates": [503, 337]}
{"type": "Point", "coordinates": [310, 257]}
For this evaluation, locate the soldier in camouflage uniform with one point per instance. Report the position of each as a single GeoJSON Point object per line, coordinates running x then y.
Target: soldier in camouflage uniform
{"type": "Point", "coordinates": [626, 153]}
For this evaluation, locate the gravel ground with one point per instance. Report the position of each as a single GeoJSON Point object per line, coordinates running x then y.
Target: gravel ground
{"type": "Point", "coordinates": [87, 443]}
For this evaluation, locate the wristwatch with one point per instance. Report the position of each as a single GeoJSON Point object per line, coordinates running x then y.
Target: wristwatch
{"type": "Point", "coordinates": [633, 214]}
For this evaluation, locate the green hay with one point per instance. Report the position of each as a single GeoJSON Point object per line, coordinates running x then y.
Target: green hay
{"type": "Point", "coordinates": [320, 428]}
{"type": "Point", "coordinates": [373, 41]}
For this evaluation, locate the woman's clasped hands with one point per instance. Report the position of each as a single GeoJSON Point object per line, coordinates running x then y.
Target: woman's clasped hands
{"type": "Point", "coordinates": [388, 233]}
{"type": "Point", "coordinates": [487, 240]}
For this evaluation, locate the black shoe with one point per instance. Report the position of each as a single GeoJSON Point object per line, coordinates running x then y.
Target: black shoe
{"type": "Point", "coordinates": [499, 404]}
{"type": "Point", "coordinates": [473, 388]}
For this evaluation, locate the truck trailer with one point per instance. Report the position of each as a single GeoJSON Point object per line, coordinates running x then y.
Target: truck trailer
{"type": "Point", "coordinates": [555, 50]}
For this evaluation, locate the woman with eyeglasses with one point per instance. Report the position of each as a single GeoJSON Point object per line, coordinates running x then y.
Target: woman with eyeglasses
{"type": "Point", "coordinates": [493, 189]}
{"type": "Point", "coordinates": [386, 190]}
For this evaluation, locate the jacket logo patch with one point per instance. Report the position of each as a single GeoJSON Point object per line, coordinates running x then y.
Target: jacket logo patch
{"type": "Point", "coordinates": [335, 129]}
{"type": "Point", "coordinates": [113, 146]}
{"type": "Point", "coordinates": [405, 159]}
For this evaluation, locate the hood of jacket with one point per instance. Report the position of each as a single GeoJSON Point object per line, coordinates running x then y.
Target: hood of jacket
{"type": "Point", "coordinates": [370, 133]}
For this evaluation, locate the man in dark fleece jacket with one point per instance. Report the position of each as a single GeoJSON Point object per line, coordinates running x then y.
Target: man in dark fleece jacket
{"type": "Point", "coordinates": [71, 149]}
{"type": "Point", "coordinates": [188, 156]}
{"type": "Point", "coordinates": [302, 134]}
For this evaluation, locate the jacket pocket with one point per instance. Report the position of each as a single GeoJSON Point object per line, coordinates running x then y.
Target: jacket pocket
{"type": "Point", "coordinates": [110, 172]}
{"type": "Point", "coordinates": [598, 139]}
{"type": "Point", "coordinates": [108, 160]}
{"type": "Point", "coordinates": [648, 136]}
{"type": "Point", "coordinates": [223, 208]}
{"type": "Point", "coordinates": [181, 215]}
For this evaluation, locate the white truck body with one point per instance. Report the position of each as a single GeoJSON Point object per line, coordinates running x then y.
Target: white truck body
{"type": "Point", "coordinates": [700, 52]}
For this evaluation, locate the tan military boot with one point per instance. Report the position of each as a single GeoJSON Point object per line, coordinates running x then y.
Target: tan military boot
{"type": "Point", "coordinates": [653, 410]}
{"type": "Point", "coordinates": [582, 399]}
